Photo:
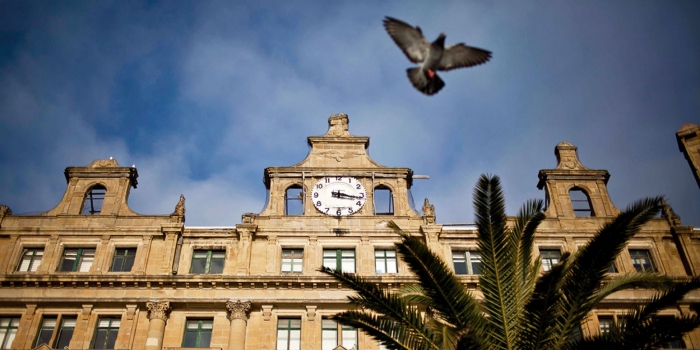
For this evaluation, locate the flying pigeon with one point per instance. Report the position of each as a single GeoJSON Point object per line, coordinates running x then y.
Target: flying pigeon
{"type": "Point", "coordinates": [431, 56]}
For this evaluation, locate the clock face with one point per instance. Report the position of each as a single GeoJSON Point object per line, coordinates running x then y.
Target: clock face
{"type": "Point", "coordinates": [338, 195]}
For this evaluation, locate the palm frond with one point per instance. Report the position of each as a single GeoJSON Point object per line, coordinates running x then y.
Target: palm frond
{"type": "Point", "coordinates": [381, 301]}
{"type": "Point", "coordinates": [499, 251]}
{"type": "Point", "coordinates": [448, 295]}
{"type": "Point", "coordinates": [388, 332]}
{"type": "Point", "coordinates": [526, 222]}
{"type": "Point", "coordinates": [632, 280]}
{"type": "Point", "coordinates": [592, 261]}
{"type": "Point", "coordinates": [541, 314]}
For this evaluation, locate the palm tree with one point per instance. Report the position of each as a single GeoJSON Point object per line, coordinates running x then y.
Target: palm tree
{"type": "Point", "coordinates": [520, 309]}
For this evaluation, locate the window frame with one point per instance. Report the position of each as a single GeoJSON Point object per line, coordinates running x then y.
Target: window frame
{"type": "Point", "coordinates": [295, 260]}
{"type": "Point", "coordinates": [94, 196]}
{"type": "Point", "coordinates": [339, 259]}
{"type": "Point", "coordinates": [199, 331]}
{"type": "Point", "coordinates": [208, 261]}
{"type": "Point", "coordinates": [32, 259]}
{"type": "Point", "coordinates": [289, 336]}
{"type": "Point", "coordinates": [386, 259]}
{"type": "Point", "coordinates": [650, 256]}
{"type": "Point", "coordinates": [109, 329]}
{"type": "Point", "coordinates": [547, 267]}
{"type": "Point", "coordinates": [383, 188]}
{"type": "Point", "coordinates": [339, 331]}
{"type": "Point", "coordinates": [125, 258]}
{"type": "Point", "coordinates": [609, 324]}
{"type": "Point", "coordinates": [57, 331]}
{"type": "Point", "coordinates": [81, 253]}
{"type": "Point", "coordinates": [5, 330]}
{"type": "Point", "coordinates": [579, 209]}
{"type": "Point", "coordinates": [469, 256]}
{"type": "Point", "coordinates": [292, 200]}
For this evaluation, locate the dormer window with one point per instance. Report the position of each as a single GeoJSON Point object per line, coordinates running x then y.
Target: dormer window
{"type": "Point", "coordinates": [580, 202]}
{"type": "Point", "coordinates": [293, 204]}
{"type": "Point", "coordinates": [93, 200]}
{"type": "Point", "coordinates": [383, 201]}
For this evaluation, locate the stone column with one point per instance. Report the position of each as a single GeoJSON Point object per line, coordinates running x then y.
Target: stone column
{"type": "Point", "coordinates": [157, 314]}
{"type": "Point", "coordinates": [238, 314]}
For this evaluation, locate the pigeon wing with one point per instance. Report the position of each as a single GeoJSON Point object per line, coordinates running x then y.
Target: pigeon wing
{"type": "Point", "coordinates": [409, 39]}
{"type": "Point", "coordinates": [460, 55]}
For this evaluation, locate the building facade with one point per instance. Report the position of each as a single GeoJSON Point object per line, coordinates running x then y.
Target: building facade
{"type": "Point", "coordinates": [92, 274]}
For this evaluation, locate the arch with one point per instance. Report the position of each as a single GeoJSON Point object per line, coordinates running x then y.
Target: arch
{"type": "Point", "coordinates": [294, 200]}
{"type": "Point", "coordinates": [94, 198]}
{"type": "Point", "coordinates": [383, 200]}
{"type": "Point", "coordinates": [580, 202]}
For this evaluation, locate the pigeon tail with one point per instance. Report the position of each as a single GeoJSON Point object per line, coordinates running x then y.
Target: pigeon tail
{"type": "Point", "coordinates": [424, 83]}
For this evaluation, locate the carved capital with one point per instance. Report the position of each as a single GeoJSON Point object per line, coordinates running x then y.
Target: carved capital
{"type": "Point", "coordinates": [238, 309]}
{"type": "Point", "coordinates": [158, 309]}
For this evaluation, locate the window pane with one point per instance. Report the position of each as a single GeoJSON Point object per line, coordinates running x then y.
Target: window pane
{"type": "Point", "coordinates": [580, 203]}
{"type": "Point", "coordinates": [282, 339]}
{"type": "Point", "coordinates": [641, 260]}
{"type": "Point", "coordinates": [391, 266]}
{"type": "Point", "coordinates": [329, 339]}
{"type": "Point", "coordinates": [348, 265]}
{"type": "Point", "coordinates": [295, 339]}
{"type": "Point", "coordinates": [293, 204]}
{"type": "Point", "coordinates": [383, 201]}
{"type": "Point", "coordinates": [46, 331]}
{"type": "Point", "coordinates": [216, 266]}
{"type": "Point", "coordinates": [460, 263]}
{"type": "Point", "coordinates": [100, 339]}
{"type": "Point", "coordinates": [68, 260]}
{"type": "Point", "coordinates": [88, 256]}
{"type": "Point", "coordinates": [349, 338]}
{"type": "Point", "coordinates": [198, 265]}
{"type": "Point", "coordinates": [65, 333]}
{"type": "Point", "coordinates": [475, 259]}
{"type": "Point", "coordinates": [190, 339]}
{"type": "Point", "coordinates": [204, 339]}
{"type": "Point", "coordinates": [605, 323]}
{"type": "Point", "coordinates": [93, 200]}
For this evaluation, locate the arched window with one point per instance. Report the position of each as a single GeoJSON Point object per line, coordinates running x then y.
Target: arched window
{"type": "Point", "coordinates": [383, 201]}
{"type": "Point", "coordinates": [293, 204]}
{"type": "Point", "coordinates": [580, 202]}
{"type": "Point", "coordinates": [93, 200]}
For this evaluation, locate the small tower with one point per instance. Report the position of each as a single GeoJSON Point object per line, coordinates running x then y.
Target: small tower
{"type": "Point", "coordinates": [572, 190]}
{"type": "Point", "coordinates": [101, 188]}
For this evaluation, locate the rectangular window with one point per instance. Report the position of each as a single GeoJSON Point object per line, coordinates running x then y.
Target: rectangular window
{"type": "Point", "coordinates": [550, 257]}
{"type": "Point", "coordinates": [77, 259]}
{"type": "Point", "coordinates": [339, 259]}
{"type": "Point", "coordinates": [385, 261]}
{"type": "Point", "coordinates": [198, 333]}
{"type": "Point", "coordinates": [292, 260]}
{"type": "Point", "coordinates": [641, 260]}
{"type": "Point", "coordinates": [63, 333]}
{"type": "Point", "coordinates": [31, 258]}
{"type": "Point", "coordinates": [8, 331]}
{"type": "Point", "coordinates": [288, 334]}
{"type": "Point", "coordinates": [605, 323]}
{"type": "Point", "coordinates": [333, 334]}
{"type": "Point", "coordinates": [467, 262]}
{"type": "Point", "coordinates": [208, 261]}
{"type": "Point", "coordinates": [106, 333]}
{"type": "Point", "coordinates": [123, 259]}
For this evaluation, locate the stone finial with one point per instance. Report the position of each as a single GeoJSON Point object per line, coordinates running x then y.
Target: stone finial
{"type": "Point", "coordinates": [104, 163]}
{"type": "Point", "coordinates": [158, 309]}
{"type": "Point", "coordinates": [5, 211]}
{"type": "Point", "coordinates": [567, 157]}
{"type": "Point", "coordinates": [248, 218]}
{"type": "Point", "coordinates": [338, 125]}
{"type": "Point", "coordinates": [238, 309]}
{"type": "Point", "coordinates": [428, 212]}
{"type": "Point", "coordinates": [668, 214]}
{"type": "Point", "coordinates": [179, 212]}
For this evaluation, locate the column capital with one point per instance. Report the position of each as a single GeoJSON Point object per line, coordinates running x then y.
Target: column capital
{"type": "Point", "coordinates": [158, 310]}
{"type": "Point", "coordinates": [238, 309]}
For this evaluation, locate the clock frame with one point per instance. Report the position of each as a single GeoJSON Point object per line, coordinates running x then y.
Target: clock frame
{"type": "Point", "coordinates": [338, 195]}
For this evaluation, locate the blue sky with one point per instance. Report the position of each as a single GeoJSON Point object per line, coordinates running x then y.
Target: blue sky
{"type": "Point", "coordinates": [201, 96]}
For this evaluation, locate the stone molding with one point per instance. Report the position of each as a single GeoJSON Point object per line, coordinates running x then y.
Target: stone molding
{"type": "Point", "coordinates": [238, 309]}
{"type": "Point", "coordinates": [158, 310]}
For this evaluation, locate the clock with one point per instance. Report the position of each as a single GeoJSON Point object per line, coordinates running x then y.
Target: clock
{"type": "Point", "coordinates": [338, 195]}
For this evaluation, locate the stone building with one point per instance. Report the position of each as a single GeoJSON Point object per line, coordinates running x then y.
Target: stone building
{"type": "Point", "coordinates": [91, 273]}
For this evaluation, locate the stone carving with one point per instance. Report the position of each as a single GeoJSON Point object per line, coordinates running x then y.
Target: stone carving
{"type": "Point", "coordinates": [428, 212]}
{"type": "Point", "coordinates": [567, 157]}
{"type": "Point", "coordinates": [338, 125]}
{"type": "Point", "coordinates": [267, 312]}
{"type": "Point", "coordinates": [248, 218]}
{"type": "Point", "coordinates": [668, 213]}
{"type": "Point", "coordinates": [338, 155]}
{"type": "Point", "coordinates": [104, 163]}
{"type": "Point", "coordinates": [238, 309]}
{"type": "Point", "coordinates": [311, 312]}
{"type": "Point", "coordinates": [158, 309]}
{"type": "Point", "coordinates": [5, 211]}
{"type": "Point", "coordinates": [179, 212]}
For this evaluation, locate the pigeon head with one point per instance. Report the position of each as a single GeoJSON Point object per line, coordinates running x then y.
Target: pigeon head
{"type": "Point", "coordinates": [440, 39]}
